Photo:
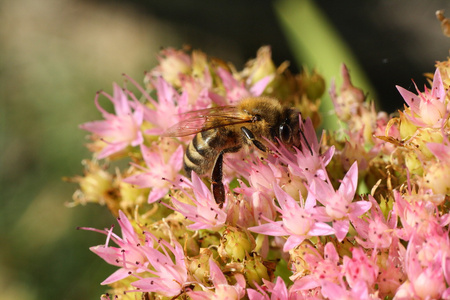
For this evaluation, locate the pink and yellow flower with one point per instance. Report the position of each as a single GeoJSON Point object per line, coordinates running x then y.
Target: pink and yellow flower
{"type": "Point", "coordinates": [118, 130]}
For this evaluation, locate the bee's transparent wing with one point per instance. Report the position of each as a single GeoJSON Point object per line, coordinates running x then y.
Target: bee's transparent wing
{"type": "Point", "coordinates": [201, 120]}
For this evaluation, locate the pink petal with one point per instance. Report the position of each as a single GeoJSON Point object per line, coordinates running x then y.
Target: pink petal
{"type": "Point", "coordinates": [333, 291]}
{"type": "Point", "coordinates": [411, 99]}
{"type": "Point", "coordinates": [138, 114]}
{"type": "Point", "coordinates": [310, 201]}
{"type": "Point", "coordinates": [128, 232]}
{"type": "Point", "coordinates": [272, 228]}
{"type": "Point", "coordinates": [293, 241]}
{"type": "Point", "coordinates": [109, 254]}
{"type": "Point", "coordinates": [320, 214]}
{"type": "Point", "coordinates": [258, 88]}
{"type": "Point", "coordinates": [331, 253]}
{"type": "Point", "coordinates": [111, 149]}
{"type": "Point", "coordinates": [255, 295]}
{"type": "Point", "coordinates": [348, 186]}
{"type": "Point", "coordinates": [320, 228]}
{"type": "Point", "coordinates": [154, 131]}
{"type": "Point", "coordinates": [216, 274]}
{"type": "Point", "coordinates": [441, 151]}
{"type": "Point", "coordinates": [120, 100]}
{"type": "Point", "coordinates": [199, 295]}
{"type": "Point", "coordinates": [116, 276]}
{"type": "Point", "coordinates": [176, 160]}
{"type": "Point", "coordinates": [280, 289]}
{"type": "Point", "coordinates": [138, 140]}
{"type": "Point", "coordinates": [328, 155]}
{"type": "Point", "coordinates": [341, 228]}
{"type": "Point", "coordinates": [98, 127]}
{"type": "Point", "coordinates": [359, 208]}
{"type": "Point", "coordinates": [305, 283]}
{"type": "Point", "coordinates": [200, 189]}
{"type": "Point", "coordinates": [142, 180]}
{"type": "Point", "coordinates": [156, 194]}
{"type": "Point", "coordinates": [322, 191]}
{"type": "Point", "coordinates": [287, 203]}
{"type": "Point", "coordinates": [438, 90]}
{"type": "Point", "coordinates": [360, 290]}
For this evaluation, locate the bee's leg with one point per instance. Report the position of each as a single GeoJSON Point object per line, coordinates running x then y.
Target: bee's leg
{"type": "Point", "coordinates": [216, 178]}
{"type": "Point", "coordinates": [250, 136]}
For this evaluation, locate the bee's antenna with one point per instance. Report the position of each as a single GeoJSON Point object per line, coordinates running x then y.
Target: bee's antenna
{"type": "Point", "coordinates": [306, 142]}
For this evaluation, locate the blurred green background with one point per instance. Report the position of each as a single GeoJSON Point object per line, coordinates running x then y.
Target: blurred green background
{"type": "Point", "coordinates": [54, 56]}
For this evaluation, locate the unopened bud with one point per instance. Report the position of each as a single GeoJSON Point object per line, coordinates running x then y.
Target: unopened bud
{"type": "Point", "coordinates": [236, 244]}
{"type": "Point", "coordinates": [199, 266]}
{"type": "Point", "coordinates": [255, 271]}
{"type": "Point", "coordinates": [437, 177]}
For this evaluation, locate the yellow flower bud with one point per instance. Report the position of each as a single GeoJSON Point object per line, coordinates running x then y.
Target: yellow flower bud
{"type": "Point", "coordinates": [406, 128]}
{"type": "Point", "coordinates": [255, 271]}
{"type": "Point", "coordinates": [437, 177]}
{"type": "Point", "coordinates": [313, 85]}
{"type": "Point", "coordinates": [235, 244]}
{"type": "Point", "coordinates": [199, 266]}
{"type": "Point", "coordinates": [413, 163]}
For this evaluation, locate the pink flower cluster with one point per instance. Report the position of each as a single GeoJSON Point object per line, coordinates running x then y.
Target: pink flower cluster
{"type": "Point", "coordinates": [298, 208]}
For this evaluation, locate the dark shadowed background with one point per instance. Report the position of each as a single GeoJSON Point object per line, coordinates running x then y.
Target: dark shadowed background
{"type": "Point", "coordinates": [54, 56]}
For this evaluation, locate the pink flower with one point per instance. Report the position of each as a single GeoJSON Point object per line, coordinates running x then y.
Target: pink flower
{"type": "Point", "coordinates": [204, 212]}
{"type": "Point", "coordinates": [222, 289]}
{"type": "Point", "coordinates": [359, 268]}
{"type": "Point", "coordinates": [236, 90]}
{"type": "Point", "coordinates": [277, 290]}
{"type": "Point", "coordinates": [130, 254]}
{"type": "Point", "coordinates": [417, 217]}
{"type": "Point", "coordinates": [144, 254]}
{"type": "Point", "coordinates": [331, 290]}
{"type": "Point", "coordinates": [425, 271]}
{"type": "Point", "coordinates": [168, 268]}
{"type": "Point", "coordinates": [198, 89]}
{"type": "Point", "coordinates": [172, 64]}
{"type": "Point", "coordinates": [324, 269]}
{"type": "Point", "coordinates": [157, 173]}
{"type": "Point", "coordinates": [428, 109]}
{"type": "Point", "coordinates": [374, 231]}
{"type": "Point", "coordinates": [258, 196]}
{"type": "Point", "coordinates": [297, 222]}
{"type": "Point", "coordinates": [391, 274]}
{"type": "Point", "coordinates": [118, 130]}
{"type": "Point", "coordinates": [339, 205]}
{"type": "Point", "coordinates": [167, 109]}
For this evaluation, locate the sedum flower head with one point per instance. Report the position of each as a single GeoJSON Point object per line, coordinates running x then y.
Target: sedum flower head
{"type": "Point", "coordinates": [294, 224]}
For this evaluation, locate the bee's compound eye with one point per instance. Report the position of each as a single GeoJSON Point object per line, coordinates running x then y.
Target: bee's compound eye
{"type": "Point", "coordinates": [285, 133]}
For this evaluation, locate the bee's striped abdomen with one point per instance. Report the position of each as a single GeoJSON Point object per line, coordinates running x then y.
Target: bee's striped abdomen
{"type": "Point", "coordinates": [201, 154]}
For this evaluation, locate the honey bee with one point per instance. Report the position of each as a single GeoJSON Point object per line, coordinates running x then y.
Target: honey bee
{"type": "Point", "coordinates": [226, 129]}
